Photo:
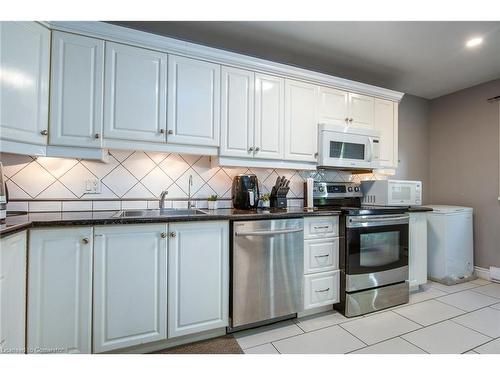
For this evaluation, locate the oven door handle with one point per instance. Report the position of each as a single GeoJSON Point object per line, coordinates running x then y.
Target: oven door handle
{"type": "Point", "coordinates": [268, 232]}
{"type": "Point", "coordinates": [376, 220]}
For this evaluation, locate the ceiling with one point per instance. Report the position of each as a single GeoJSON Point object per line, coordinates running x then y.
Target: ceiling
{"type": "Point", "coordinates": [426, 59]}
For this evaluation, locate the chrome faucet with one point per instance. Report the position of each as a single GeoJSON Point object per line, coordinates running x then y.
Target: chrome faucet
{"type": "Point", "coordinates": [162, 198]}
{"type": "Point", "coordinates": [190, 183]}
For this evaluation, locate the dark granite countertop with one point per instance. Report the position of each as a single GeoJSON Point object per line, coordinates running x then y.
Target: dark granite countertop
{"type": "Point", "coordinates": [419, 209]}
{"type": "Point", "coordinates": [46, 219]}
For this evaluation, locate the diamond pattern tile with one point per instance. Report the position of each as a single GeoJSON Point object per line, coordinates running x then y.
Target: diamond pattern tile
{"type": "Point", "coordinates": [56, 166]}
{"type": "Point", "coordinates": [139, 164]}
{"type": "Point", "coordinates": [138, 175]}
{"type": "Point", "coordinates": [120, 180]}
{"type": "Point", "coordinates": [33, 179]}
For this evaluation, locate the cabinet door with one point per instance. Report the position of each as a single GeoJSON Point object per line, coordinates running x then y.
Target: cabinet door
{"type": "Point", "coordinates": [130, 286]}
{"type": "Point", "coordinates": [333, 106]}
{"type": "Point", "coordinates": [60, 290]}
{"type": "Point", "coordinates": [386, 123]}
{"type": "Point", "coordinates": [361, 110]}
{"type": "Point", "coordinates": [77, 82]}
{"type": "Point", "coordinates": [135, 90]}
{"type": "Point", "coordinates": [198, 281]}
{"type": "Point", "coordinates": [13, 293]}
{"type": "Point", "coordinates": [24, 86]}
{"type": "Point", "coordinates": [417, 249]}
{"type": "Point", "coordinates": [193, 102]}
{"type": "Point", "coordinates": [269, 116]}
{"type": "Point", "coordinates": [237, 112]}
{"type": "Point", "coordinates": [300, 121]}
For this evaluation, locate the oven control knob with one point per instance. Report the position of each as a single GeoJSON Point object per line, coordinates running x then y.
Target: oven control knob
{"type": "Point", "coordinates": [321, 189]}
{"type": "Point", "coordinates": [349, 189]}
{"type": "Point", "coordinates": [356, 188]}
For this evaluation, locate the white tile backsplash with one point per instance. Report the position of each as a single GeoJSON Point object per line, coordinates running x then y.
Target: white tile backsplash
{"type": "Point", "coordinates": [138, 176]}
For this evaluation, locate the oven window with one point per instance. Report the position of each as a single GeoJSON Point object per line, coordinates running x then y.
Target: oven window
{"type": "Point", "coordinates": [378, 249]}
{"type": "Point", "coordinates": [344, 150]}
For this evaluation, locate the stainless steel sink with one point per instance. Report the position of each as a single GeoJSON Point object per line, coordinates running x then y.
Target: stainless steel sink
{"type": "Point", "coordinates": [166, 212]}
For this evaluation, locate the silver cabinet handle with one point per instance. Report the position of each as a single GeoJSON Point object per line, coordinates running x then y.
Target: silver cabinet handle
{"type": "Point", "coordinates": [44, 132]}
{"type": "Point", "coordinates": [163, 235]}
{"type": "Point", "coordinates": [85, 241]}
{"type": "Point", "coordinates": [268, 232]}
{"type": "Point", "coordinates": [350, 120]}
{"type": "Point", "coordinates": [322, 227]}
{"type": "Point", "coordinates": [346, 119]}
{"type": "Point", "coordinates": [257, 149]}
{"type": "Point", "coordinates": [97, 136]}
{"type": "Point", "coordinates": [322, 256]}
{"type": "Point", "coordinates": [170, 132]}
{"type": "Point", "coordinates": [162, 131]}
{"type": "Point", "coordinates": [322, 290]}
{"type": "Point", "coordinates": [173, 234]}
{"type": "Point", "coordinates": [250, 149]}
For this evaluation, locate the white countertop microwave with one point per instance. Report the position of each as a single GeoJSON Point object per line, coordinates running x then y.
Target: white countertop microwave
{"type": "Point", "coordinates": [392, 193]}
{"type": "Point", "coordinates": [346, 147]}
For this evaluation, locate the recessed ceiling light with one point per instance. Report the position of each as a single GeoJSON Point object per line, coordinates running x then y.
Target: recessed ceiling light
{"type": "Point", "coordinates": [474, 42]}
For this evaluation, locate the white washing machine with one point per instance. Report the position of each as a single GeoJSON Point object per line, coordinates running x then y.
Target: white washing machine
{"type": "Point", "coordinates": [450, 248]}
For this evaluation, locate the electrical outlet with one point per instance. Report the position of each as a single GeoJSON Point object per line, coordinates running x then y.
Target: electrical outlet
{"type": "Point", "coordinates": [92, 186]}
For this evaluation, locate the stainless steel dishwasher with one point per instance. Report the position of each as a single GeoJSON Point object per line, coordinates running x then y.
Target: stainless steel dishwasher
{"type": "Point", "coordinates": [267, 270]}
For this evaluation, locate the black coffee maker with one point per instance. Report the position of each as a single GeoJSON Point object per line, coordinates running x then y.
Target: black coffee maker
{"type": "Point", "coordinates": [245, 191]}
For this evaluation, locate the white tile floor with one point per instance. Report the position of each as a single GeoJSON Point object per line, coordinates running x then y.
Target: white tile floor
{"type": "Point", "coordinates": [463, 318]}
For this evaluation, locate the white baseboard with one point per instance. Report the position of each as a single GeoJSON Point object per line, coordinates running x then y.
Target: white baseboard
{"type": "Point", "coordinates": [482, 273]}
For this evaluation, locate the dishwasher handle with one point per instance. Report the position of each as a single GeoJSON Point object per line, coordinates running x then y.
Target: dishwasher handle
{"type": "Point", "coordinates": [268, 232]}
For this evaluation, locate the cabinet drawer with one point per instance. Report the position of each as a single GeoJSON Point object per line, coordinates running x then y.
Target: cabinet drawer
{"type": "Point", "coordinates": [325, 226]}
{"type": "Point", "coordinates": [321, 289]}
{"type": "Point", "coordinates": [321, 255]}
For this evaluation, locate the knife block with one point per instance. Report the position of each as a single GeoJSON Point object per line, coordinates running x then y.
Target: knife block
{"type": "Point", "coordinates": [278, 202]}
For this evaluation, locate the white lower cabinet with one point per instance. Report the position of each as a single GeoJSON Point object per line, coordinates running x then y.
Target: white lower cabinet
{"type": "Point", "coordinates": [418, 249]}
{"type": "Point", "coordinates": [13, 293]}
{"type": "Point", "coordinates": [321, 289]}
{"type": "Point", "coordinates": [60, 290]}
{"type": "Point", "coordinates": [130, 285]}
{"type": "Point", "coordinates": [198, 281]}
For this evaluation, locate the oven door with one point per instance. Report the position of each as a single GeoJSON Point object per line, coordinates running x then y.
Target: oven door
{"type": "Point", "coordinates": [376, 250]}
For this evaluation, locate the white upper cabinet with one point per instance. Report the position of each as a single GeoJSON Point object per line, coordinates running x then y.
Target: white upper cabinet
{"type": "Point", "coordinates": [24, 83]}
{"type": "Point", "coordinates": [237, 112]}
{"type": "Point", "coordinates": [361, 110]}
{"type": "Point", "coordinates": [135, 90]}
{"type": "Point", "coordinates": [130, 285]}
{"type": "Point", "coordinates": [269, 117]}
{"type": "Point", "coordinates": [301, 120]}
{"type": "Point", "coordinates": [386, 122]}
{"type": "Point", "coordinates": [60, 290]}
{"type": "Point", "coordinates": [333, 106]}
{"type": "Point", "coordinates": [198, 281]}
{"type": "Point", "coordinates": [13, 293]}
{"type": "Point", "coordinates": [193, 102]}
{"type": "Point", "coordinates": [76, 94]}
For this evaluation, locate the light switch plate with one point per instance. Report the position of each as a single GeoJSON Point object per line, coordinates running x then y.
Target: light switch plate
{"type": "Point", "coordinates": [92, 186]}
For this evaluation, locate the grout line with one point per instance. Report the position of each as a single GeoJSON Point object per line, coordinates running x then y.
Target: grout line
{"type": "Point", "coordinates": [352, 334]}
{"type": "Point", "coordinates": [402, 338]}
{"type": "Point", "coordinates": [274, 346]}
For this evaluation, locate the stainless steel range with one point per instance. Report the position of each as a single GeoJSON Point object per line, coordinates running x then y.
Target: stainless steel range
{"type": "Point", "coordinates": [373, 251]}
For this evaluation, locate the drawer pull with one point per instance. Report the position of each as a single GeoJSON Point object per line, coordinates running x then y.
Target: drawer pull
{"type": "Point", "coordinates": [322, 256]}
{"type": "Point", "coordinates": [322, 227]}
{"type": "Point", "coordinates": [322, 290]}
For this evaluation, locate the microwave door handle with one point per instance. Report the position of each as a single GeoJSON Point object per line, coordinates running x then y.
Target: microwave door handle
{"type": "Point", "coordinates": [370, 149]}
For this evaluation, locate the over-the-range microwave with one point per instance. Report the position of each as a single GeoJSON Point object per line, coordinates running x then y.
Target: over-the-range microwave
{"type": "Point", "coordinates": [392, 193]}
{"type": "Point", "coordinates": [348, 147]}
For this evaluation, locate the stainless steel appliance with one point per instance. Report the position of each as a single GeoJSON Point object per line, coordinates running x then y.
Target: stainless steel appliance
{"type": "Point", "coordinates": [392, 193]}
{"type": "Point", "coordinates": [348, 147]}
{"type": "Point", "coordinates": [4, 195]}
{"type": "Point", "coordinates": [373, 250]}
{"type": "Point", "coordinates": [245, 191]}
{"type": "Point", "coordinates": [267, 270]}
